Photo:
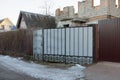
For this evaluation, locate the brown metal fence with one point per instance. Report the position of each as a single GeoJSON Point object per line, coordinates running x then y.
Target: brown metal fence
{"type": "Point", "coordinates": [16, 42]}
{"type": "Point", "coordinates": [109, 44]}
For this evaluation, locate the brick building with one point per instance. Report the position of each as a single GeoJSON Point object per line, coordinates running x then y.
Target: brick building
{"type": "Point", "coordinates": [87, 13]}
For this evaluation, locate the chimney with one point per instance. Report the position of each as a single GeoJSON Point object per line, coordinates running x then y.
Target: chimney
{"type": "Point", "coordinates": [118, 3]}
{"type": "Point", "coordinates": [58, 12]}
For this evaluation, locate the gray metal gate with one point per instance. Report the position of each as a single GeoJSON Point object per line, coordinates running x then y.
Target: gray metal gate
{"type": "Point", "coordinates": [65, 45]}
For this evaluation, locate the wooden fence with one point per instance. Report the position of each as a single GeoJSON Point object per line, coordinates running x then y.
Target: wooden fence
{"type": "Point", "coordinates": [16, 42]}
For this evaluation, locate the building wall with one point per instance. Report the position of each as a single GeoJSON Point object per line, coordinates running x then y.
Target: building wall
{"type": "Point", "coordinates": [70, 22]}
{"type": "Point", "coordinates": [106, 7]}
{"type": "Point", "coordinates": [87, 10]}
{"type": "Point", "coordinates": [67, 13]}
{"type": "Point", "coordinates": [7, 24]}
{"type": "Point", "coordinates": [113, 10]}
{"type": "Point", "coordinates": [23, 24]}
{"type": "Point", "coordinates": [62, 23]}
{"type": "Point", "coordinates": [65, 17]}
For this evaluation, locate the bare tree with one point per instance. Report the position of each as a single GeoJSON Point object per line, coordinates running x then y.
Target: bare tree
{"type": "Point", "coordinates": [47, 8]}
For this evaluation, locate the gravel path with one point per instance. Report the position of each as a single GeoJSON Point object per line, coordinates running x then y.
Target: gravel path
{"type": "Point", "coordinates": [103, 71]}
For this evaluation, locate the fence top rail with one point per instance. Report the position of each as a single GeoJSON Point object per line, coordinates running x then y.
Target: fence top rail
{"type": "Point", "coordinates": [67, 27]}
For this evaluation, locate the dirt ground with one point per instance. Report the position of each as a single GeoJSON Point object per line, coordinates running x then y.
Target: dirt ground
{"type": "Point", "coordinates": [103, 71]}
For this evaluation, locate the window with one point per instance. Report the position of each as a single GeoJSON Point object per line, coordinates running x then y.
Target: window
{"type": "Point", "coordinates": [10, 26]}
{"type": "Point", "coordinates": [96, 2]}
{"type": "Point", "coordinates": [66, 25]}
{"type": "Point", "coordinates": [116, 3]}
{"type": "Point", "coordinates": [2, 26]}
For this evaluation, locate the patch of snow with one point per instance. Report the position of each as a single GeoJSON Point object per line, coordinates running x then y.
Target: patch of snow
{"type": "Point", "coordinates": [77, 67]}
{"type": "Point", "coordinates": [40, 71]}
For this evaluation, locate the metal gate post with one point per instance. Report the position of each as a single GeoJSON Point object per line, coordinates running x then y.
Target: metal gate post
{"type": "Point", "coordinates": [65, 46]}
{"type": "Point", "coordinates": [43, 45]}
{"type": "Point", "coordinates": [95, 43]}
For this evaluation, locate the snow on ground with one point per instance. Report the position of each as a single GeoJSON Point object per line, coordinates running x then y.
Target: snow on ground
{"type": "Point", "coordinates": [41, 71]}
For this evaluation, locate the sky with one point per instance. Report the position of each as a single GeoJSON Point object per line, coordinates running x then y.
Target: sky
{"type": "Point", "coordinates": [11, 8]}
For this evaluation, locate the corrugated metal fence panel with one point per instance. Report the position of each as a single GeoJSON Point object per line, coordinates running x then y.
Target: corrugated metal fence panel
{"type": "Point", "coordinates": [37, 44]}
{"type": "Point", "coordinates": [79, 41]}
{"type": "Point", "coordinates": [69, 45]}
{"type": "Point", "coordinates": [110, 40]}
{"type": "Point", "coordinates": [54, 41]}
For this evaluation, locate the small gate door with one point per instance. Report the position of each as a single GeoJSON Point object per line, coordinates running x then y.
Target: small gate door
{"type": "Point", "coordinates": [109, 40]}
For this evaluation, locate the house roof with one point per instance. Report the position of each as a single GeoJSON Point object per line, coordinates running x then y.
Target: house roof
{"type": "Point", "coordinates": [34, 20]}
{"type": "Point", "coordinates": [2, 20]}
{"type": "Point", "coordinates": [8, 22]}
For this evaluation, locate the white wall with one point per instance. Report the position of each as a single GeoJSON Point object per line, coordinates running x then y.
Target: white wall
{"type": "Point", "coordinates": [23, 24]}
